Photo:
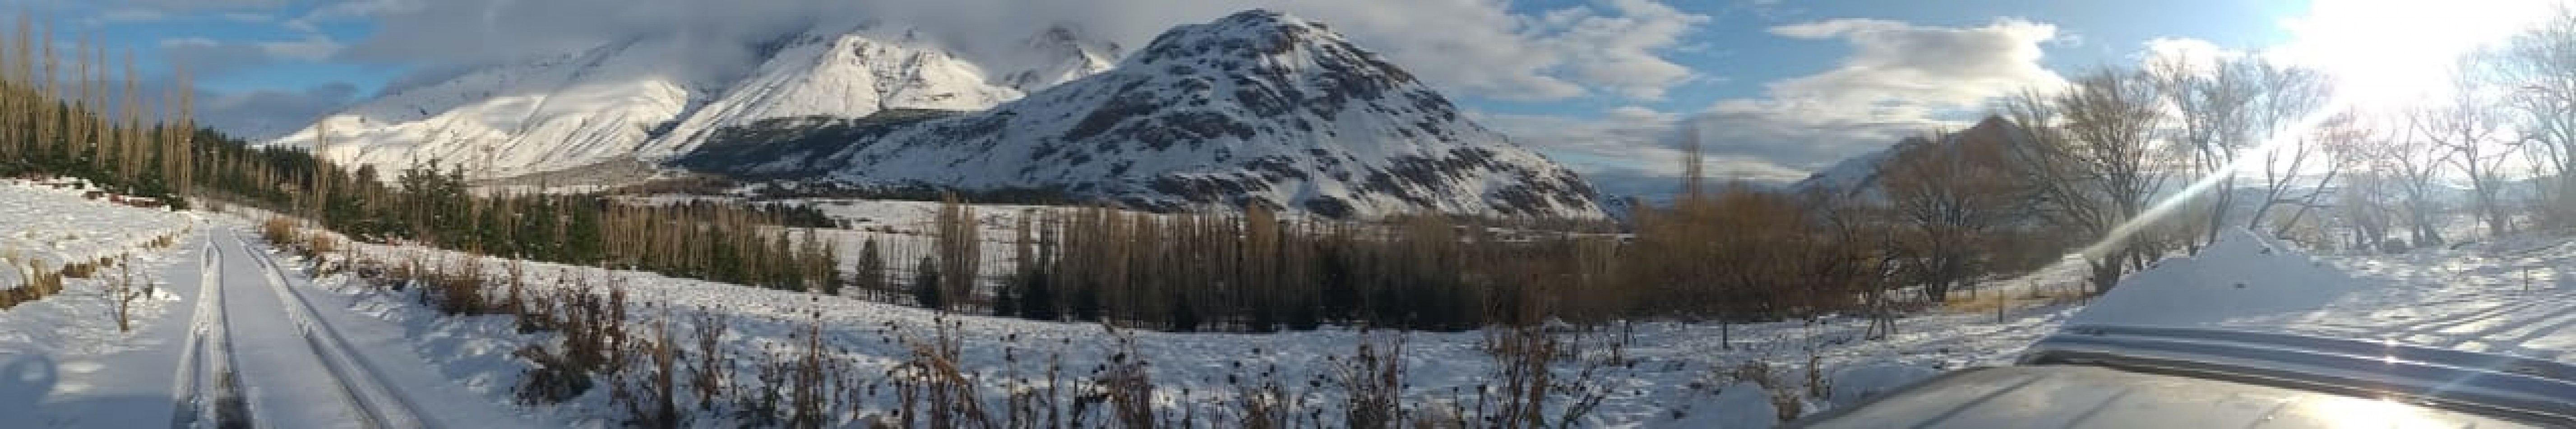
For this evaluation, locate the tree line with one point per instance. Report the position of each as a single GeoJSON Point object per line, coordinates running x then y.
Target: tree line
{"type": "Point", "coordinates": [66, 109]}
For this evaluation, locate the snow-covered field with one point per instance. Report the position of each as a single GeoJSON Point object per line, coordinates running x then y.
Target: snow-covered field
{"type": "Point", "coordinates": [386, 356]}
{"type": "Point", "coordinates": [1668, 375]}
{"type": "Point", "coordinates": [47, 226]}
{"type": "Point", "coordinates": [63, 354]}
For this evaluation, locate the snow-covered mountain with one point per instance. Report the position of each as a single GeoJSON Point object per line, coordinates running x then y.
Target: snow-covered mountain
{"type": "Point", "coordinates": [1257, 106]}
{"type": "Point", "coordinates": [650, 97]}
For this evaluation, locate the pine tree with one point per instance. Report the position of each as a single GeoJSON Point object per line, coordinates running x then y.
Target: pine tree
{"type": "Point", "coordinates": [870, 277]}
{"type": "Point", "coordinates": [1037, 302]}
{"type": "Point", "coordinates": [926, 285]}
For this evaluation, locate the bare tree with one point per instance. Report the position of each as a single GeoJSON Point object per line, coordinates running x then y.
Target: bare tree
{"type": "Point", "coordinates": [2087, 151]}
{"type": "Point", "coordinates": [2331, 145]}
{"type": "Point", "coordinates": [959, 246]}
{"type": "Point", "coordinates": [2538, 67]}
{"type": "Point", "coordinates": [2362, 202]}
{"type": "Point", "coordinates": [2234, 104]}
{"type": "Point", "coordinates": [2212, 100]}
{"type": "Point", "coordinates": [2413, 166]}
{"type": "Point", "coordinates": [2465, 129]}
{"type": "Point", "coordinates": [1950, 192]}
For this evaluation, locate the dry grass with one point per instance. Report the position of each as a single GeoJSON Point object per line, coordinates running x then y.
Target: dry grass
{"type": "Point", "coordinates": [1990, 302]}
{"type": "Point", "coordinates": [1784, 398]}
{"type": "Point", "coordinates": [83, 270]}
{"type": "Point", "coordinates": [279, 229]}
{"type": "Point", "coordinates": [38, 284]}
{"type": "Point", "coordinates": [1373, 381]}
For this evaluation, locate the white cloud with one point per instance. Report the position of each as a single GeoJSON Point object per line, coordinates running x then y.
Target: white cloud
{"type": "Point", "coordinates": [314, 47]}
{"type": "Point", "coordinates": [248, 17]}
{"type": "Point", "coordinates": [129, 15]}
{"type": "Point", "coordinates": [208, 58]}
{"type": "Point", "coordinates": [1896, 62]}
{"type": "Point", "coordinates": [1900, 80]}
{"type": "Point", "coordinates": [265, 114]}
{"type": "Point", "coordinates": [256, 114]}
{"type": "Point", "coordinates": [1632, 73]}
{"type": "Point", "coordinates": [1471, 47]}
{"type": "Point", "coordinates": [198, 5]}
{"type": "Point", "coordinates": [188, 42]}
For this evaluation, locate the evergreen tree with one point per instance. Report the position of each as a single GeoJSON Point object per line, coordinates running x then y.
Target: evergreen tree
{"type": "Point", "coordinates": [926, 287]}
{"type": "Point", "coordinates": [1006, 301]}
{"type": "Point", "coordinates": [1185, 318]}
{"type": "Point", "coordinates": [1083, 305]}
{"type": "Point", "coordinates": [871, 275]}
{"type": "Point", "coordinates": [1037, 302]}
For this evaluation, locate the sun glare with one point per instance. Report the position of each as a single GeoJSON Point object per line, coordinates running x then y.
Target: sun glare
{"type": "Point", "coordinates": [2345, 412]}
{"type": "Point", "coordinates": [2386, 53]}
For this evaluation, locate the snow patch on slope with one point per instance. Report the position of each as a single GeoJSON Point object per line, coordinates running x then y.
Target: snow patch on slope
{"type": "Point", "coordinates": [638, 99]}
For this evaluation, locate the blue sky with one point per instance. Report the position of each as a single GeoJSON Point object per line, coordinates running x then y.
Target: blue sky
{"type": "Point", "coordinates": [1774, 87]}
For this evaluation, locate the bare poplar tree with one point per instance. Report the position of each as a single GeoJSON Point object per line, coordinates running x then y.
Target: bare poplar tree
{"type": "Point", "coordinates": [960, 248]}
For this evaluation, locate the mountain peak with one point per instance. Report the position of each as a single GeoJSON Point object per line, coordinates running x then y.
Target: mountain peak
{"type": "Point", "coordinates": [1256, 108]}
{"type": "Point", "coordinates": [1261, 17]}
{"type": "Point", "coordinates": [1250, 33]}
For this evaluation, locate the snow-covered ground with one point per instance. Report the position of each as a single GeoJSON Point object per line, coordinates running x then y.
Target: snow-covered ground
{"type": "Point", "coordinates": [48, 226]}
{"type": "Point", "coordinates": [326, 349]}
{"type": "Point", "coordinates": [2515, 296]}
{"type": "Point", "coordinates": [1671, 375]}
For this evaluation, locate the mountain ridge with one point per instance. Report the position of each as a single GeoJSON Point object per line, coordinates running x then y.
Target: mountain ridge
{"type": "Point", "coordinates": [639, 98]}
{"type": "Point", "coordinates": [1257, 107]}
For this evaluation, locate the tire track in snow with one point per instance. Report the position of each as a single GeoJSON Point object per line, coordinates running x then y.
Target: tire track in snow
{"type": "Point", "coordinates": [358, 380]}
{"type": "Point", "coordinates": [195, 400]}
{"type": "Point", "coordinates": [2554, 328]}
{"type": "Point", "coordinates": [185, 391]}
{"type": "Point", "coordinates": [2436, 326]}
{"type": "Point", "coordinates": [2555, 313]}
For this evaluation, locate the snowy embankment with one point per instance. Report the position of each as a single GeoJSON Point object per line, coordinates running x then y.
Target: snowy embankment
{"type": "Point", "coordinates": [2513, 297]}
{"type": "Point", "coordinates": [46, 227]}
{"type": "Point", "coordinates": [64, 359]}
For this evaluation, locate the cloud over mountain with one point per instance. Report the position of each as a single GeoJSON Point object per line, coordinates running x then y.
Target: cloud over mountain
{"type": "Point", "coordinates": [1481, 47]}
{"type": "Point", "coordinates": [1899, 79]}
